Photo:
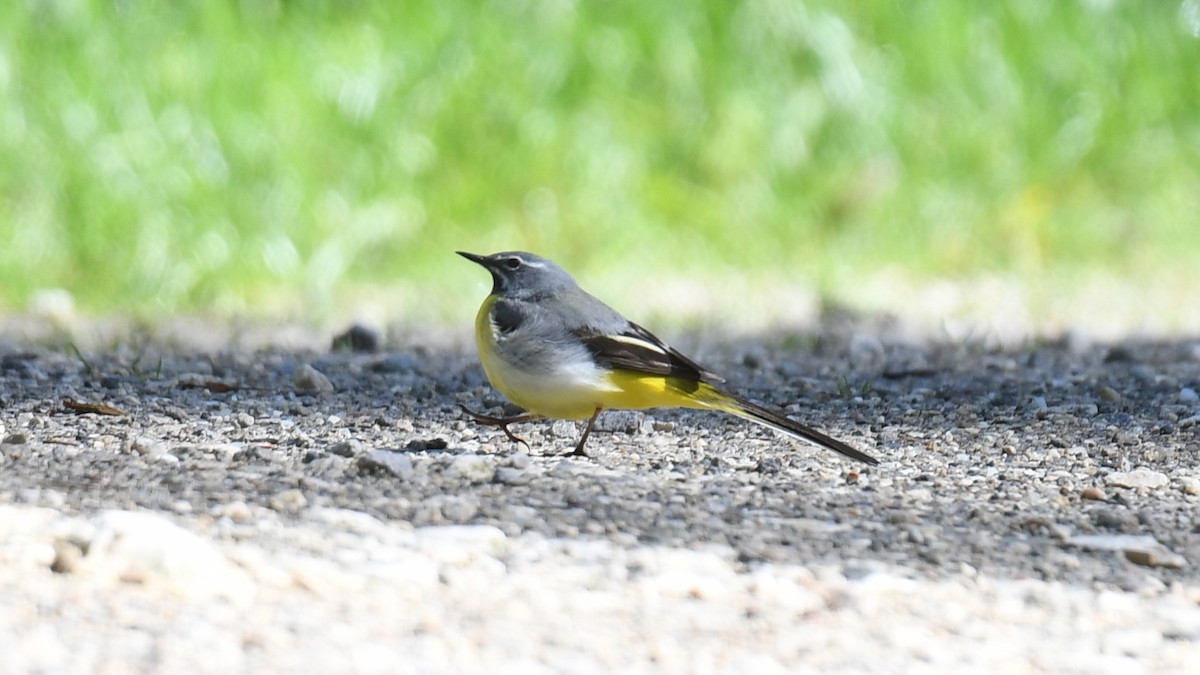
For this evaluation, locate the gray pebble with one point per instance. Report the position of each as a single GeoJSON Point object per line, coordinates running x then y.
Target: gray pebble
{"type": "Point", "coordinates": [395, 363]}
{"type": "Point", "coordinates": [564, 429]}
{"type": "Point", "coordinates": [350, 448]}
{"type": "Point", "coordinates": [517, 460]}
{"type": "Point", "coordinates": [442, 509]}
{"type": "Point", "coordinates": [397, 464]}
{"type": "Point", "coordinates": [309, 379]}
{"type": "Point", "coordinates": [1116, 519]}
{"type": "Point", "coordinates": [1155, 556]}
{"type": "Point", "coordinates": [146, 447]}
{"type": "Point", "coordinates": [1119, 354]}
{"type": "Point", "coordinates": [1144, 374]}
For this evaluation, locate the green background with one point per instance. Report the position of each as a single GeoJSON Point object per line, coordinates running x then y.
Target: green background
{"type": "Point", "coordinates": [290, 158]}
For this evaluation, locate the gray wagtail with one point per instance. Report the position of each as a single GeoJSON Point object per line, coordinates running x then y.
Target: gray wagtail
{"type": "Point", "coordinates": [558, 352]}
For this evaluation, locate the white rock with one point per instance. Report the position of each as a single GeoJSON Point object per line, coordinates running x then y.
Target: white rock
{"type": "Point", "coordinates": [147, 447]}
{"type": "Point", "coordinates": [1190, 485]}
{"type": "Point", "coordinates": [475, 468]}
{"type": "Point", "coordinates": [756, 662]}
{"type": "Point", "coordinates": [288, 501]}
{"type": "Point", "coordinates": [237, 511]}
{"type": "Point", "coordinates": [24, 539]}
{"type": "Point", "coordinates": [348, 520]}
{"type": "Point", "coordinates": [517, 460]}
{"type": "Point", "coordinates": [678, 573]}
{"type": "Point", "coordinates": [145, 548]}
{"type": "Point", "coordinates": [412, 570]}
{"type": "Point", "coordinates": [1188, 395]}
{"type": "Point", "coordinates": [510, 476]}
{"type": "Point", "coordinates": [1138, 478]}
{"type": "Point", "coordinates": [779, 586]}
{"type": "Point", "coordinates": [458, 543]}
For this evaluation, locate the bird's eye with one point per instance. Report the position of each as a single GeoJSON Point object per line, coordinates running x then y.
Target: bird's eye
{"type": "Point", "coordinates": [512, 263]}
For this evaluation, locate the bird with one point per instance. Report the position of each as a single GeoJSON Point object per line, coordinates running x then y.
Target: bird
{"type": "Point", "coordinates": [559, 352]}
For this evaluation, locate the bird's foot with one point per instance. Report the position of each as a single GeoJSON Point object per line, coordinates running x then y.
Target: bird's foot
{"type": "Point", "coordinates": [587, 431]}
{"type": "Point", "coordinates": [501, 422]}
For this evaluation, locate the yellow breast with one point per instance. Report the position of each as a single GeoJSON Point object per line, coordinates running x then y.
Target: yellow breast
{"type": "Point", "coordinates": [569, 390]}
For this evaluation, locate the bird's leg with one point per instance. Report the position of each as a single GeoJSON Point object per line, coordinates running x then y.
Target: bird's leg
{"type": "Point", "coordinates": [578, 451]}
{"type": "Point", "coordinates": [501, 422]}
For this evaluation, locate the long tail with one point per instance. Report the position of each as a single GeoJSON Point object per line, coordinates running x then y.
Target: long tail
{"type": "Point", "coordinates": [736, 405]}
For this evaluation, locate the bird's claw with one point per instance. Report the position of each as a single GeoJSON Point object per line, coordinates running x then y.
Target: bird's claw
{"type": "Point", "coordinates": [501, 422]}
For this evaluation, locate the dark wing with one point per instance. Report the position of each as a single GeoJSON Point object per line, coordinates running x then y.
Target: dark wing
{"type": "Point", "coordinates": [639, 350]}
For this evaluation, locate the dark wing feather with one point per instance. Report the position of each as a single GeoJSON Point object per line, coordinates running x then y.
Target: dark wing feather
{"type": "Point", "coordinates": [639, 350]}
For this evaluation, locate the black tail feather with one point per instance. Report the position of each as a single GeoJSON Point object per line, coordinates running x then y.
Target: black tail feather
{"type": "Point", "coordinates": [777, 421]}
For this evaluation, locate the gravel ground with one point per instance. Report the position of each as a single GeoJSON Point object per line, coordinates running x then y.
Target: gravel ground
{"type": "Point", "coordinates": [216, 499]}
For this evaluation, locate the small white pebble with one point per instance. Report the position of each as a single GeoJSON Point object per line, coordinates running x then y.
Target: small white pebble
{"type": "Point", "coordinates": [1191, 486]}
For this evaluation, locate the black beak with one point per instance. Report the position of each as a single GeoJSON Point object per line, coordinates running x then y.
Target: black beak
{"type": "Point", "coordinates": [488, 264]}
{"type": "Point", "coordinates": [480, 259]}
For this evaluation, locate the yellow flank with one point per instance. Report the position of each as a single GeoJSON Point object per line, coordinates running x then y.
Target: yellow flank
{"type": "Point", "coordinates": [636, 391]}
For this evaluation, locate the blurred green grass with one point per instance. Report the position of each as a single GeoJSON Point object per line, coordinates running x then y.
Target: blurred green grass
{"type": "Point", "coordinates": [272, 157]}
